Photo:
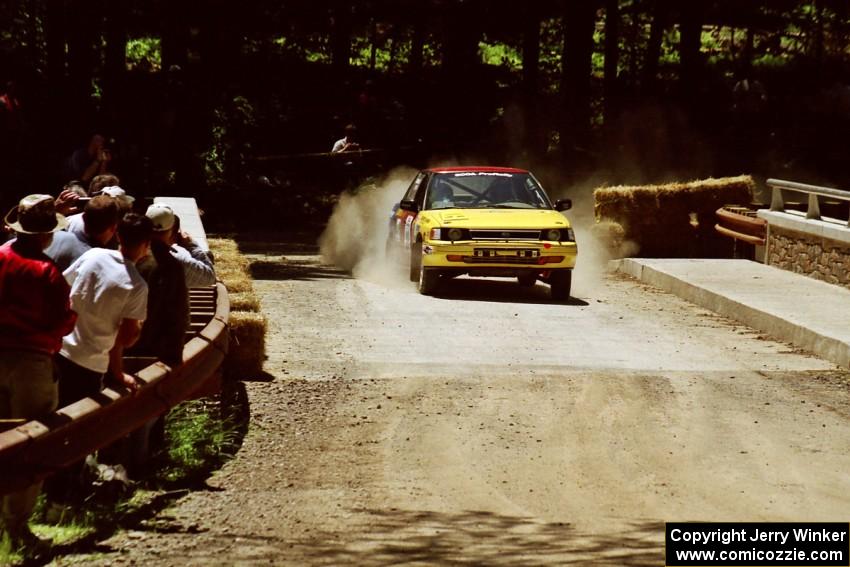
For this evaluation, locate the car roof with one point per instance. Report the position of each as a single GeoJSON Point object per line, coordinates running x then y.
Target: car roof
{"type": "Point", "coordinates": [485, 169]}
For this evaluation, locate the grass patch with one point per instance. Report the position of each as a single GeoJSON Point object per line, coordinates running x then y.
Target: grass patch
{"type": "Point", "coordinates": [200, 436]}
{"type": "Point", "coordinates": [198, 439]}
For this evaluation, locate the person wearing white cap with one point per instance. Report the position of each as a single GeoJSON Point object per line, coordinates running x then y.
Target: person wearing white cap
{"type": "Point", "coordinates": [168, 297]}
{"type": "Point", "coordinates": [35, 313]}
{"type": "Point", "coordinates": [125, 201]}
{"type": "Point", "coordinates": [197, 264]}
{"type": "Point", "coordinates": [122, 199]}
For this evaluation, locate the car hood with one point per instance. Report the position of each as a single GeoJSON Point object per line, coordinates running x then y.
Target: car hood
{"type": "Point", "coordinates": [499, 218]}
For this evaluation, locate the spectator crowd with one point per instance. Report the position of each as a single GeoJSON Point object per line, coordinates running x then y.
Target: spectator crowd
{"type": "Point", "coordinates": [86, 277]}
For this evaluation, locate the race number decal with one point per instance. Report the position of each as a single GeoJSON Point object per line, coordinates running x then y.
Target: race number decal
{"type": "Point", "coordinates": [408, 234]}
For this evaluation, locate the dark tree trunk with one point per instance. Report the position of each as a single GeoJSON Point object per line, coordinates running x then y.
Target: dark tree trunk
{"type": "Point", "coordinates": [341, 39]}
{"type": "Point", "coordinates": [747, 53]}
{"type": "Point", "coordinates": [393, 51]}
{"type": "Point", "coordinates": [115, 60]}
{"type": "Point", "coordinates": [221, 38]}
{"type": "Point", "coordinates": [56, 49]}
{"type": "Point", "coordinates": [32, 13]}
{"type": "Point", "coordinates": [460, 44]}
{"type": "Point", "coordinates": [531, 49]}
{"type": "Point", "coordinates": [689, 47]}
{"type": "Point", "coordinates": [373, 51]}
{"type": "Point", "coordinates": [463, 96]}
{"type": "Point", "coordinates": [653, 48]}
{"type": "Point", "coordinates": [819, 49]}
{"type": "Point", "coordinates": [175, 35]}
{"type": "Point", "coordinates": [417, 46]}
{"type": "Point", "coordinates": [533, 134]}
{"type": "Point", "coordinates": [579, 24]}
{"type": "Point", "coordinates": [84, 27]}
{"type": "Point", "coordinates": [612, 60]}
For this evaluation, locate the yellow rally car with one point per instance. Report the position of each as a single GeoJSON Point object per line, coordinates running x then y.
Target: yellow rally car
{"type": "Point", "coordinates": [484, 221]}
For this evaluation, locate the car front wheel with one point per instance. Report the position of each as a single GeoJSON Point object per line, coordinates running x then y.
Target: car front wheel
{"type": "Point", "coordinates": [429, 279]}
{"type": "Point", "coordinates": [560, 282]}
{"type": "Point", "coordinates": [415, 261]}
{"type": "Point", "coordinates": [527, 280]}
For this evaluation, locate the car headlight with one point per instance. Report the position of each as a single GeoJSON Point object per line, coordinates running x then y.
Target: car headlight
{"type": "Point", "coordinates": [454, 234]}
{"type": "Point", "coordinates": [571, 236]}
{"type": "Point", "coordinates": [552, 234]}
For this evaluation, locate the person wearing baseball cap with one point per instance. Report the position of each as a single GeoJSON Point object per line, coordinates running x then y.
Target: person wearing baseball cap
{"type": "Point", "coordinates": [168, 296]}
{"type": "Point", "coordinates": [76, 223]}
{"type": "Point", "coordinates": [197, 264]}
{"type": "Point", "coordinates": [125, 201]}
{"type": "Point", "coordinates": [35, 313]}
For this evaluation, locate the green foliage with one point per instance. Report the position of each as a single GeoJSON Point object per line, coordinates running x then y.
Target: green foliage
{"type": "Point", "coordinates": [72, 530]}
{"type": "Point", "coordinates": [225, 158]}
{"type": "Point", "coordinates": [361, 54]}
{"type": "Point", "coordinates": [7, 555]}
{"type": "Point", "coordinates": [551, 48]}
{"type": "Point", "coordinates": [500, 54]}
{"type": "Point", "coordinates": [144, 53]}
{"type": "Point", "coordinates": [313, 48]}
{"type": "Point", "coordinates": [197, 440]}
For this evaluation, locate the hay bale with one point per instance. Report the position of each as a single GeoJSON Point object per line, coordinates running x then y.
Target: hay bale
{"type": "Point", "coordinates": [230, 259]}
{"type": "Point", "coordinates": [247, 344]}
{"type": "Point", "coordinates": [676, 219]}
{"type": "Point", "coordinates": [231, 267]}
{"type": "Point", "coordinates": [247, 326]}
{"type": "Point", "coordinates": [236, 282]}
{"type": "Point", "coordinates": [226, 253]}
{"type": "Point", "coordinates": [245, 301]}
{"type": "Point", "coordinates": [222, 245]}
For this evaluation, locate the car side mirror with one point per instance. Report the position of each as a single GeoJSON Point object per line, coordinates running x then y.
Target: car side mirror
{"type": "Point", "coordinates": [563, 204]}
{"type": "Point", "coordinates": [409, 206]}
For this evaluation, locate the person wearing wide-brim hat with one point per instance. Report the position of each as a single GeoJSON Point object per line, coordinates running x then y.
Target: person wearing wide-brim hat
{"type": "Point", "coordinates": [35, 313]}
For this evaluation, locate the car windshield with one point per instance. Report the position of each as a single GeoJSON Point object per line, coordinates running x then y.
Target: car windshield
{"type": "Point", "coordinates": [485, 190]}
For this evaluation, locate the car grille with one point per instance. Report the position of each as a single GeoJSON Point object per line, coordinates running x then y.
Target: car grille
{"type": "Point", "coordinates": [500, 260]}
{"type": "Point", "coordinates": [504, 234]}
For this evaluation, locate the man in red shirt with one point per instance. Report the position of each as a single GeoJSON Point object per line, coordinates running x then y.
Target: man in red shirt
{"type": "Point", "coordinates": [35, 313]}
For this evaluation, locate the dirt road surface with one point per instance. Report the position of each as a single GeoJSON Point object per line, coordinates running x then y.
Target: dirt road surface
{"type": "Point", "coordinates": [490, 426]}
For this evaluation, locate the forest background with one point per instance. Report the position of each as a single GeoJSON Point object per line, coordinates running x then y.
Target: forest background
{"type": "Point", "coordinates": [208, 98]}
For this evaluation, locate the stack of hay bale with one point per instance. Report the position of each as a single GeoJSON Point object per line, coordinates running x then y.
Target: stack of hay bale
{"type": "Point", "coordinates": [673, 221]}
{"type": "Point", "coordinates": [247, 324]}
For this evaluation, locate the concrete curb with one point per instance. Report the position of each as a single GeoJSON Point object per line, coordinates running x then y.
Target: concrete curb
{"type": "Point", "coordinates": [799, 329]}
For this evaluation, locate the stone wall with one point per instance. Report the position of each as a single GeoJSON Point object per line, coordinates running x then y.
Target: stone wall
{"type": "Point", "coordinates": [814, 256]}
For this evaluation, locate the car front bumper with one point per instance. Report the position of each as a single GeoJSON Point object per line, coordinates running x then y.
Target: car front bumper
{"type": "Point", "coordinates": [473, 256]}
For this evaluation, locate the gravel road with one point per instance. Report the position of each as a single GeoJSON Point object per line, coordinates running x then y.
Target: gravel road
{"type": "Point", "coordinates": [491, 426]}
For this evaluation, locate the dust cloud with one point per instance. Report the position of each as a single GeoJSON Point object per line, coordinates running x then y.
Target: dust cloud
{"type": "Point", "coordinates": [355, 238]}
{"type": "Point", "coordinates": [595, 249]}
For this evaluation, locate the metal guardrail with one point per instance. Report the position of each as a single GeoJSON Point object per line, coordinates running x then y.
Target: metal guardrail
{"type": "Point", "coordinates": [741, 223]}
{"type": "Point", "coordinates": [777, 201]}
{"type": "Point", "coordinates": [39, 448]}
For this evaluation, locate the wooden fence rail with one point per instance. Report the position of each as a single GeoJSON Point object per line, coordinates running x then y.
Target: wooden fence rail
{"type": "Point", "coordinates": [36, 449]}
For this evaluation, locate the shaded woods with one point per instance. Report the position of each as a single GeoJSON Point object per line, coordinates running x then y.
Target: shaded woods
{"type": "Point", "coordinates": [628, 90]}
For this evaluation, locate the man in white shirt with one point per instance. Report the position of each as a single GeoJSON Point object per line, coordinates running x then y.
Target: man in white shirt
{"type": "Point", "coordinates": [349, 143]}
{"type": "Point", "coordinates": [110, 298]}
